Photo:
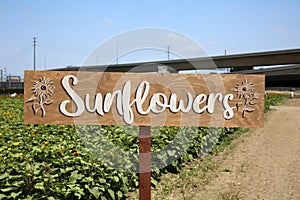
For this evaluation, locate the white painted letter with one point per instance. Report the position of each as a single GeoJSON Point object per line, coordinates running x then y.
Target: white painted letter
{"type": "Point", "coordinates": [140, 97]}
{"type": "Point", "coordinates": [156, 102]}
{"type": "Point", "coordinates": [77, 100]}
{"type": "Point", "coordinates": [201, 98]}
{"type": "Point", "coordinates": [173, 103]}
{"type": "Point", "coordinates": [109, 98]}
{"type": "Point", "coordinates": [98, 102]}
{"type": "Point", "coordinates": [128, 114]}
{"type": "Point", "coordinates": [212, 100]}
{"type": "Point", "coordinates": [228, 113]}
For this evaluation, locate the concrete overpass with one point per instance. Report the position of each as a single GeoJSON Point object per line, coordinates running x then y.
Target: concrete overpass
{"type": "Point", "coordinates": [278, 78]}
{"type": "Point", "coordinates": [267, 58]}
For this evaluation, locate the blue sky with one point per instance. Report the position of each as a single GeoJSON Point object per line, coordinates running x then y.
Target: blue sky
{"type": "Point", "coordinates": [68, 30]}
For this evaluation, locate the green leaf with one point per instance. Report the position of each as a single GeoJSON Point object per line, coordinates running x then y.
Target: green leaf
{"type": "Point", "coordinates": [36, 148]}
{"type": "Point", "coordinates": [2, 196]}
{"type": "Point", "coordinates": [3, 176]}
{"type": "Point", "coordinates": [171, 152]}
{"type": "Point", "coordinates": [102, 180]}
{"type": "Point", "coordinates": [94, 191]}
{"type": "Point", "coordinates": [75, 176]}
{"type": "Point", "coordinates": [69, 169]}
{"type": "Point", "coordinates": [124, 179]}
{"type": "Point", "coordinates": [78, 192]}
{"type": "Point", "coordinates": [111, 193]}
{"type": "Point", "coordinates": [39, 186]}
{"type": "Point", "coordinates": [7, 189]}
{"type": "Point", "coordinates": [88, 180]}
{"type": "Point", "coordinates": [18, 183]}
{"type": "Point", "coordinates": [116, 178]}
{"type": "Point", "coordinates": [14, 195]}
{"type": "Point", "coordinates": [103, 198]}
{"type": "Point", "coordinates": [54, 176]}
{"type": "Point", "coordinates": [154, 182]}
{"type": "Point", "coordinates": [120, 194]}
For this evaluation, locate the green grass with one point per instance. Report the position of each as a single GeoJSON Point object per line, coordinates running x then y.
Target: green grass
{"type": "Point", "coordinates": [229, 196]}
{"type": "Point", "coordinates": [274, 99]}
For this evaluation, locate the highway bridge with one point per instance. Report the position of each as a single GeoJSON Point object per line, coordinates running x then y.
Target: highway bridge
{"type": "Point", "coordinates": [283, 77]}
{"type": "Point", "coordinates": [268, 58]}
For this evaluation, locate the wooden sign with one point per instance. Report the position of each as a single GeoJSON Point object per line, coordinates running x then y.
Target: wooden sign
{"type": "Point", "coordinates": [60, 97]}
{"type": "Point", "coordinates": [64, 97]}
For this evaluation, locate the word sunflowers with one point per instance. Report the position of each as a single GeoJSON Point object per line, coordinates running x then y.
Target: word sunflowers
{"type": "Point", "coordinates": [142, 102]}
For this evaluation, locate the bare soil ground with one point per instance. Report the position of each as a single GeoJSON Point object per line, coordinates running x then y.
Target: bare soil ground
{"type": "Point", "coordinates": [265, 163]}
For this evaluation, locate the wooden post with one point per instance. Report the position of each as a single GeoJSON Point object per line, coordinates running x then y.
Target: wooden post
{"type": "Point", "coordinates": [145, 162]}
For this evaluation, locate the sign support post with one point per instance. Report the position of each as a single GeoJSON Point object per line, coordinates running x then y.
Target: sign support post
{"type": "Point", "coordinates": [145, 162]}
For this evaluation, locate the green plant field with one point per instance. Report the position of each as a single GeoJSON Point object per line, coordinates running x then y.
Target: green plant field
{"type": "Point", "coordinates": [48, 162]}
{"type": "Point", "coordinates": [52, 162]}
{"type": "Point", "coordinates": [273, 100]}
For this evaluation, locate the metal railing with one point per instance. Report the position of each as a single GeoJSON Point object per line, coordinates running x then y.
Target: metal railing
{"type": "Point", "coordinates": [14, 85]}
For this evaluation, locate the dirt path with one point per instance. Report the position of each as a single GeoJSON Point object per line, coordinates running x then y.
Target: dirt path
{"type": "Point", "coordinates": [265, 163]}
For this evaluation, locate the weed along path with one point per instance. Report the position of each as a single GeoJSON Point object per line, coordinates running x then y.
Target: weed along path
{"type": "Point", "coordinates": [264, 164]}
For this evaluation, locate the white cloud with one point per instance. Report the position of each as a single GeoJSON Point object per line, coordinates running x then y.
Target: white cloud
{"type": "Point", "coordinates": [12, 49]}
{"type": "Point", "coordinates": [280, 29]}
{"type": "Point", "coordinates": [211, 43]}
{"type": "Point", "coordinates": [176, 38]}
{"type": "Point", "coordinates": [16, 49]}
{"type": "Point", "coordinates": [184, 47]}
{"type": "Point", "coordinates": [107, 21]}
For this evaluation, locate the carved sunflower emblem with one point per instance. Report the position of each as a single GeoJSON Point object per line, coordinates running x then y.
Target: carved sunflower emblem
{"type": "Point", "coordinates": [43, 88]}
{"type": "Point", "coordinates": [42, 91]}
{"type": "Point", "coordinates": [244, 90]}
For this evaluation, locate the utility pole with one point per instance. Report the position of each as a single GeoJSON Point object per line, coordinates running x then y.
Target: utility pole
{"type": "Point", "coordinates": [168, 52]}
{"type": "Point", "coordinates": [34, 53]}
